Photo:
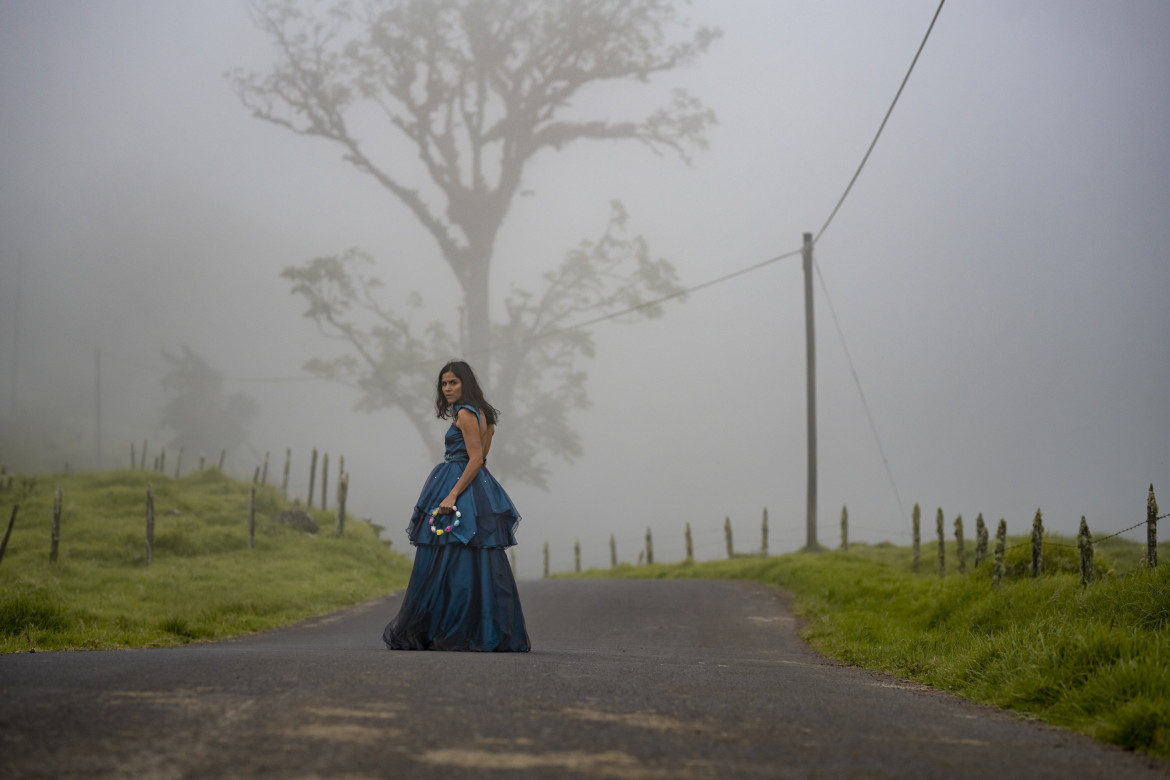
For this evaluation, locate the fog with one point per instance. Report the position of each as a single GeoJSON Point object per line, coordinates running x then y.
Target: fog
{"type": "Point", "coordinates": [999, 271]}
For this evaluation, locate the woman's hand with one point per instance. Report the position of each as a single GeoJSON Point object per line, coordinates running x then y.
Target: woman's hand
{"type": "Point", "coordinates": [447, 505]}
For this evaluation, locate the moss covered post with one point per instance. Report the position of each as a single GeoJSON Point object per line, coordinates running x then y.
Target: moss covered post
{"type": "Point", "coordinates": [312, 476]}
{"type": "Point", "coordinates": [727, 536]}
{"type": "Point", "coordinates": [980, 540]}
{"type": "Point", "coordinates": [960, 545]}
{"type": "Point", "coordinates": [1037, 544]}
{"type": "Point", "coordinates": [324, 479]}
{"type": "Point", "coordinates": [342, 496]}
{"type": "Point", "coordinates": [1000, 546]}
{"type": "Point", "coordinates": [1085, 543]}
{"type": "Point", "coordinates": [917, 536]}
{"type": "Point", "coordinates": [8, 533]}
{"type": "Point", "coordinates": [649, 548]}
{"type": "Point", "coordinates": [691, 543]}
{"type": "Point", "coordinates": [179, 463]}
{"type": "Point", "coordinates": [942, 549]}
{"type": "Point", "coordinates": [287, 464]}
{"type": "Point", "coordinates": [577, 555]}
{"type": "Point", "coordinates": [1151, 530]}
{"type": "Point", "coordinates": [546, 560]}
{"type": "Point", "coordinates": [263, 473]}
{"type": "Point", "coordinates": [763, 535]}
{"type": "Point", "coordinates": [844, 527]}
{"type": "Point", "coordinates": [612, 552]}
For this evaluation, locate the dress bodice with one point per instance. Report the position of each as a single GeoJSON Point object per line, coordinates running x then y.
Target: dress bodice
{"type": "Point", "coordinates": [455, 448]}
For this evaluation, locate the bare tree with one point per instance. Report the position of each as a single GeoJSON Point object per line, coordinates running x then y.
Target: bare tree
{"type": "Point", "coordinates": [477, 89]}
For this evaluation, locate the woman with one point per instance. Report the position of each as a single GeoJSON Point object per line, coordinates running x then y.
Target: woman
{"type": "Point", "coordinates": [461, 595]}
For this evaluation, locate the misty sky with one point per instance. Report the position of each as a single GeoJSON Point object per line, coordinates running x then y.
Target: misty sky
{"type": "Point", "coordinates": [1001, 270]}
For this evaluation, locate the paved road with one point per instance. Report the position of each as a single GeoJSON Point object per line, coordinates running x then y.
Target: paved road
{"type": "Point", "coordinates": [628, 679]}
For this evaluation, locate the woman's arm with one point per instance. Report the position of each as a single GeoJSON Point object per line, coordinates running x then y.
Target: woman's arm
{"type": "Point", "coordinates": [468, 424]}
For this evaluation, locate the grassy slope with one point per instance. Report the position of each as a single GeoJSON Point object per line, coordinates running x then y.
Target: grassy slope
{"type": "Point", "coordinates": [204, 583]}
{"type": "Point", "coordinates": [1095, 659]}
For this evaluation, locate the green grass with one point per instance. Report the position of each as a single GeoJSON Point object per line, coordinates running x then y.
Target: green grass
{"type": "Point", "coordinates": [1095, 659]}
{"type": "Point", "coordinates": [204, 583]}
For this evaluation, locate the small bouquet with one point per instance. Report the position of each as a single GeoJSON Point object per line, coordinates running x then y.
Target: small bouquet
{"type": "Point", "coordinates": [439, 530]}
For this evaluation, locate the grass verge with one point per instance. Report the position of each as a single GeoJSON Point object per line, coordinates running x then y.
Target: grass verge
{"type": "Point", "coordinates": [204, 583]}
{"type": "Point", "coordinates": [1095, 659]}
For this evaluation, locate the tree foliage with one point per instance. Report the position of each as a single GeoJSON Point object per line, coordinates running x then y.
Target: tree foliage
{"type": "Point", "coordinates": [202, 417]}
{"type": "Point", "coordinates": [392, 358]}
{"type": "Point", "coordinates": [475, 89]}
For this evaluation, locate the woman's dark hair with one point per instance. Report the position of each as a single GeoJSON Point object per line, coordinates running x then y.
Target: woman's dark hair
{"type": "Point", "coordinates": [472, 394]}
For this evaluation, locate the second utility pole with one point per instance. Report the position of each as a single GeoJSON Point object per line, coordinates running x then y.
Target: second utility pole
{"type": "Point", "coordinates": [811, 384]}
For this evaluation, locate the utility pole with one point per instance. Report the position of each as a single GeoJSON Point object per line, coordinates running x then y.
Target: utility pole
{"type": "Point", "coordinates": [811, 385]}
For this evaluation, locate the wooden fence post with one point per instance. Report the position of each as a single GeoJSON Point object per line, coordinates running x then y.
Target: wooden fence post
{"type": "Point", "coordinates": [546, 560]}
{"type": "Point", "coordinates": [1000, 546]}
{"type": "Point", "coordinates": [980, 540]}
{"type": "Point", "coordinates": [942, 550]}
{"type": "Point", "coordinates": [612, 552]}
{"type": "Point", "coordinates": [1151, 530]}
{"type": "Point", "coordinates": [577, 555]}
{"type": "Point", "coordinates": [287, 463]}
{"type": "Point", "coordinates": [960, 546]}
{"type": "Point", "coordinates": [1085, 542]}
{"type": "Point", "coordinates": [179, 463]}
{"type": "Point", "coordinates": [312, 476]}
{"type": "Point", "coordinates": [252, 516]}
{"type": "Point", "coordinates": [649, 548]}
{"type": "Point", "coordinates": [727, 535]}
{"type": "Point", "coordinates": [691, 542]}
{"type": "Point", "coordinates": [844, 527]}
{"type": "Point", "coordinates": [917, 539]}
{"type": "Point", "coordinates": [56, 525]}
{"type": "Point", "coordinates": [342, 496]}
{"type": "Point", "coordinates": [264, 473]}
{"type": "Point", "coordinates": [256, 476]}
{"type": "Point", "coordinates": [1037, 544]}
{"type": "Point", "coordinates": [763, 535]}
{"type": "Point", "coordinates": [133, 459]}
{"type": "Point", "coordinates": [222, 455]}
{"type": "Point", "coordinates": [162, 461]}
{"type": "Point", "coordinates": [324, 479]}
{"type": "Point", "coordinates": [202, 462]}
{"type": "Point", "coordinates": [149, 524]}
{"type": "Point", "coordinates": [142, 463]}
{"type": "Point", "coordinates": [8, 533]}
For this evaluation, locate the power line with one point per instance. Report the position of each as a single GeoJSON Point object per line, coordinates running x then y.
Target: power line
{"type": "Point", "coordinates": [882, 127]}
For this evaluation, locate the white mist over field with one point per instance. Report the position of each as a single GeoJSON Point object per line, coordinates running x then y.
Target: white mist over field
{"type": "Point", "coordinates": [1000, 271]}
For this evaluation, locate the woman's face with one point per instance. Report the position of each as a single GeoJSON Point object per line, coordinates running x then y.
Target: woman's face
{"type": "Point", "coordinates": [451, 386]}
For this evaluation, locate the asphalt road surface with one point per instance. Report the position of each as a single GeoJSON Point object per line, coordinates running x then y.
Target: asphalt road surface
{"type": "Point", "coordinates": [627, 679]}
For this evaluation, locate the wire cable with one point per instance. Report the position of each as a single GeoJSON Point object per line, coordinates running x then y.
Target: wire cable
{"type": "Point", "coordinates": [861, 392]}
{"type": "Point", "coordinates": [864, 159]}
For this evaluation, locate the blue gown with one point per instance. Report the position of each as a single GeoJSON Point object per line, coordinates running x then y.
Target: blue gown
{"type": "Point", "coordinates": [462, 594]}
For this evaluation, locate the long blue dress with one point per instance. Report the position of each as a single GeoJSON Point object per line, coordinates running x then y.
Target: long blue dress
{"type": "Point", "coordinates": [462, 594]}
